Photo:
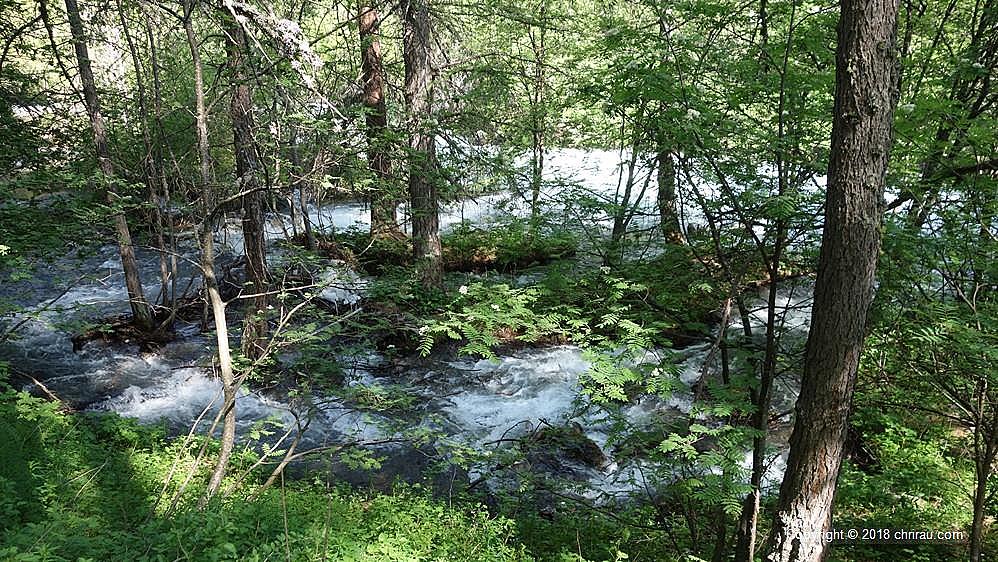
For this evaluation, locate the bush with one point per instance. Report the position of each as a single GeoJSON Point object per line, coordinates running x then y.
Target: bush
{"type": "Point", "coordinates": [508, 246]}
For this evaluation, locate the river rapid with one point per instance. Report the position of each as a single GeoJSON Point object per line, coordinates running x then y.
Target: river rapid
{"type": "Point", "coordinates": [483, 406]}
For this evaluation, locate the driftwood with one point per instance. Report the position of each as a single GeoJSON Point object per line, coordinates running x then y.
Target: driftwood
{"type": "Point", "coordinates": [121, 329]}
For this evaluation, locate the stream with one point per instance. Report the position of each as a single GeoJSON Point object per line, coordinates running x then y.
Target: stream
{"type": "Point", "coordinates": [479, 404]}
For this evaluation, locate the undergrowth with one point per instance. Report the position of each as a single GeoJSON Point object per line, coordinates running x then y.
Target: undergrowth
{"type": "Point", "coordinates": [85, 487]}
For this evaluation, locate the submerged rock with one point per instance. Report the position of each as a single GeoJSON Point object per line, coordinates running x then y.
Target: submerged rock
{"type": "Point", "coordinates": [403, 462]}
{"type": "Point", "coordinates": [568, 442]}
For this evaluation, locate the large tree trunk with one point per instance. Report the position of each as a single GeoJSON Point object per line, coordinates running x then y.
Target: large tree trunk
{"type": "Point", "coordinates": [383, 214]}
{"type": "Point", "coordinates": [141, 312]}
{"type": "Point", "coordinates": [422, 150]}
{"type": "Point", "coordinates": [212, 296]}
{"type": "Point", "coordinates": [247, 167]}
{"type": "Point", "coordinates": [862, 133]}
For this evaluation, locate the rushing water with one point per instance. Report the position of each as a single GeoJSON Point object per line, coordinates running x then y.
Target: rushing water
{"type": "Point", "coordinates": [480, 403]}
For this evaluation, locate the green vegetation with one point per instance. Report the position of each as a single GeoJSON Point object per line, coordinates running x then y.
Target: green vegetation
{"type": "Point", "coordinates": [84, 487]}
{"type": "Point", "coordinates": [505, 247]}
{"type": "Point", "coordinates": [276, 194]}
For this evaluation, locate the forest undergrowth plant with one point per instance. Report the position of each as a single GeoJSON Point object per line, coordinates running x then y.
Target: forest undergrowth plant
{"type": "Point", "coordinates": [93, 481]}
{"type": "Point", "coordinates": [506, 245]}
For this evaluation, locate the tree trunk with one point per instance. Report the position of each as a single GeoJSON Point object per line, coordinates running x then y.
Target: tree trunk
{"type": "Point", "coordinates": [295, 175]}
{"type": "Point", "coordinates": [383, 214]}
{"type": "Point", "coordinates": [980, 503]}
{"type": "Point", "coordinates": [150, 168]}
{"type": "Point", "coordinates": [748, 523]}
{"type": "Point", "coordinates": [201, 121]}
{"type": "Point", "coordinates": [296, 201]}
{"type": "Point", "coordinates": [422, 150]}
{"type": "Point", "coordinates": [721, 536]}
{"type": "Point", "coordinates": [538, 112]}
{"type": "Point", "coordinates": [141, 312]}
{"type": "Point", "coordinates": [985, 451]}
{"type": "Point", "coordinates": [160, 166]}
{"type": "Point", "coordinates": [625, 205]}
{"type": "Point", "coordinates": [212, 296]}
{"type": "Point", "coordinates": [667, 195]}
{"type": "Point", "coordinates": [862, 133]}
{"type": "Point", "coordinates": [299, 208]}
{"type": "Point", "coordinates": [228, 376]}
{"type": "Point", "coordinates": [247, 167]}
{"type": "Point", "coordinates": [666, 157]}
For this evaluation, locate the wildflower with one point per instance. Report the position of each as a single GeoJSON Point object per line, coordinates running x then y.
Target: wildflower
{"type": "Point", "coordinates": [495, 307]}
{"type": "Point", "coordinates": [463, 289]}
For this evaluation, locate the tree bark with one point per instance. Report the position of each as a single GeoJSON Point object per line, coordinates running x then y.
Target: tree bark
{"type": "Point", "coordinates": [538, 124]}
{"type": "Point", "coordinates": [226, 370]}
{"type": "Point", "coordinates": [666, 177]}
{"type": "Point", "coordinates": [422, 150]}
{"type": "Point", "coordinates": [158, 159]}
{"type": "Point", "coordinates": [201, 120]}
{"type": "Point", "coordinates": [247, 169]}
{"type": "Point", "coordinates": [985, 451]}
{"type": "Point", "coordinates": [150, 168]}
{"type": "Point", "coordinates": [383, 214]}
{"type": "Point", "coordinates": [862, 134]}
{"type": "Point", "coordinates": [142, 314]}
{"type": "Point", "coordinates": [212, 296]}
{"type": "Point", "coordinates": [748, 522]}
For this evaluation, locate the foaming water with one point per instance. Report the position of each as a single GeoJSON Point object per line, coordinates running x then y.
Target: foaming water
{"type": "Point", "coordinates": [480, 403]}
{"type": "Point", "coordinates": [496, 397]}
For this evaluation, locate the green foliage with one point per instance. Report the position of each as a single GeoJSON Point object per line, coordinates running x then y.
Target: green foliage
{"type": "Point", "coordinates": [37, 228]}
{"type": "Point", "coordinates": [485, 316]}
{"type": "Point", "coordinates": [376, 255]}
{"type": "Point", "coordinates": [908, 479]}
{"type": "Point", "coordinates": [741, 98]}
{"type": "Point", "coordinates": [505, 246]}
{"type": "Point", "coordinates": [379, 398]}
{"type": "Point", "coordinates": [401, 288]}
{"type": "Point", "coordinates": [592, 307]}
{"type": "Point", "coordinates": [578, 534]}
{"type": "Point", "coordinates": [84, 488]}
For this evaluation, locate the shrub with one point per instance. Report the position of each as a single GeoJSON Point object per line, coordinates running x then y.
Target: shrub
{"type": "Point", "coordinates": [505, 246]}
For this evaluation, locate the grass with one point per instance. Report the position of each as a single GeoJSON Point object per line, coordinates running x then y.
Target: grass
{"type": "Point", "coordinates": [85, 487]}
